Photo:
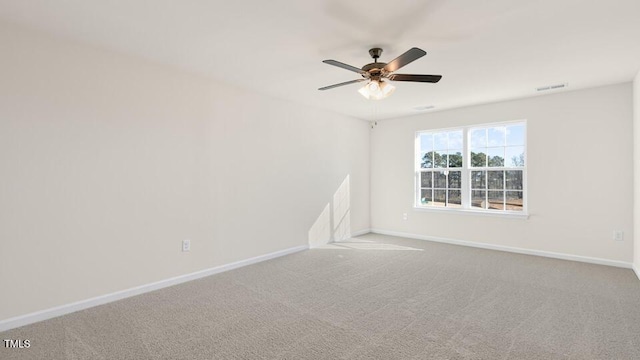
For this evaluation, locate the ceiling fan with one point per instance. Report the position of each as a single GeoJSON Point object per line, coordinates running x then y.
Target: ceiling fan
{"type": "Point", "coordinates": [375, 72]}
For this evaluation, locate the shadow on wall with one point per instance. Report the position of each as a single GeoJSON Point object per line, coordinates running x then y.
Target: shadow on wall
{"type": "Point", "coordinates": [324, 230]}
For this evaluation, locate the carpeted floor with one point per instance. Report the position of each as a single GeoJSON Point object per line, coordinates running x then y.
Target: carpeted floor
{"type": "Point", "coordinates": [375, 297]}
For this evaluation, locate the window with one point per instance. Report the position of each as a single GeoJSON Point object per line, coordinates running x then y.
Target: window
{"type": "Point", "coordinates": [441, 168]}
{"type": "Point", "coordinates": [474, 168]}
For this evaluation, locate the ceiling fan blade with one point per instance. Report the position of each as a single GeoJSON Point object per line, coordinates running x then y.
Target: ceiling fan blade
{"type": "Point", "coordinates": [341, 84]}
{"type": "Point", "coordinates": [344, 66]}
{"type": "Point", "coordinates": [415, 78]}
{"type": "Point", "coordinates": [411, 55]}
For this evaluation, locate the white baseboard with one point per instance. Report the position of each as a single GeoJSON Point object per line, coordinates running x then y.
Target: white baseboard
{"type": "Point", "coordinates": [31, 318]}
{"type": "Point", "coordinates": [360, 232]}
{"type": "Point", "coordinates": [549, 254]}
{"type": "Point", "coordinates": [636, 270]}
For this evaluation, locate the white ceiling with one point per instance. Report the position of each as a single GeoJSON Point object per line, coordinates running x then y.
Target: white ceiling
{"type": "Point", "coordinates": [487, 50]}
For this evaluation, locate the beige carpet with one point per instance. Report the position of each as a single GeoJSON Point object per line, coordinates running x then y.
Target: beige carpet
{"type": "Point", "coordinates": [377, 297]}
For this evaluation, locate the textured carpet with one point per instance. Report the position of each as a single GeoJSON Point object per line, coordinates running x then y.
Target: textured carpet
{"type": "Point", "coordinates": [375, 297]}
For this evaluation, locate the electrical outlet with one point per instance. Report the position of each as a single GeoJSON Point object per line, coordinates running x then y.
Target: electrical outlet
{"type": "Point", "coordinates": [186, 245]}
{"type": "Point", "coordinates": [618, 235]}
{"type": "Point", "coordinates": [404, 216]}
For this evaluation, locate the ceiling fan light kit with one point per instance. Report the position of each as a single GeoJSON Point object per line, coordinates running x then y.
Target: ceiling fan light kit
{"type": "Point", "coordinates": [376, 90]}
{"type": "Point", "coordinates": [375, 72]}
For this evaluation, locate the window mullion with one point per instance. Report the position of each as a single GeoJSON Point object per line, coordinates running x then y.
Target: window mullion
{"type": "Point", "coordinates": [465, 180]}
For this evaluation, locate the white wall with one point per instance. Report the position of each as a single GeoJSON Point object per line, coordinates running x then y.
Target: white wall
{"type": "Point", "coordinates": [636, 177]}
{"type": "Point", "coordinates": [109, 161]}
{"type": "Point", "coordinates": [583, 137]}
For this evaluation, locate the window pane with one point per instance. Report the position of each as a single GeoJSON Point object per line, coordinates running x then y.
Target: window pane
{"type": "Point", "coordinates": [478, 199]}
{"type": "Point", "coordinates": [495, 157]}
{"type": "Point", "coordinates": [514, 200]}
{"type": "Point", "coordinates": [478, 179]}
{"type": "Point", "coordinates": [426, 143]}
{"type": "Point", "coordinates": [455, 140]}
{"type": "Point", "coordinates": [496, 136]}
{"type": "Point", "coordinates": [426, 196]}
{"type": "Point", "coordinates": [513, 179]}
{"type": "Point", "coordinates": [515, 135]}
{"type": "Point", "coordinates": [440, 159]}
{"type": "Point", "coordinates": [496, 200]}
{"type": "Point", "coordinates": [427, 160]}
{"type": "Point", "coordinates": [454, 179]}
{"type": "Point", "coordinates": [514, 156]}
{"type": "Point", "coordinates": [439, 179]}
{"type": "Point", "coordinates": [455, 200]}
{"type": "Point", "coordinates": [478, 138]}
{"type": "Point", "coordinates": [439, 197]}
{"type": "Point", "coordinates": [495, 180]}
{"type": "Point", "coordinates": [478, 158]}
{"type": "Point", "coordinates": [440, 141]}
{"type": "Point", "coordinates": [455, 158]}
{"type": "Point", "coordinates": [426, 179]}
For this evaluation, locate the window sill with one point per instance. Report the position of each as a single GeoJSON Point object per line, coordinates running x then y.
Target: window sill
{"type": "Point", "coordinates": [513, 215]}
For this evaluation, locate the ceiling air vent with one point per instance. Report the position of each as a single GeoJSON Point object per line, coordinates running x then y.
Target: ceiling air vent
{"type": "Point", "coordinates": [423, 107]}
{"type": "Point", "coordinates": [552, 87]}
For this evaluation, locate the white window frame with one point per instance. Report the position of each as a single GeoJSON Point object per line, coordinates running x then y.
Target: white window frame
{"type": "Point", "coordinates": [466, 174]}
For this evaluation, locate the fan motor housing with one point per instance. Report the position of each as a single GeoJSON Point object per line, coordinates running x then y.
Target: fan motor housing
{"type": "Point", "coordinates": [374, 68]}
